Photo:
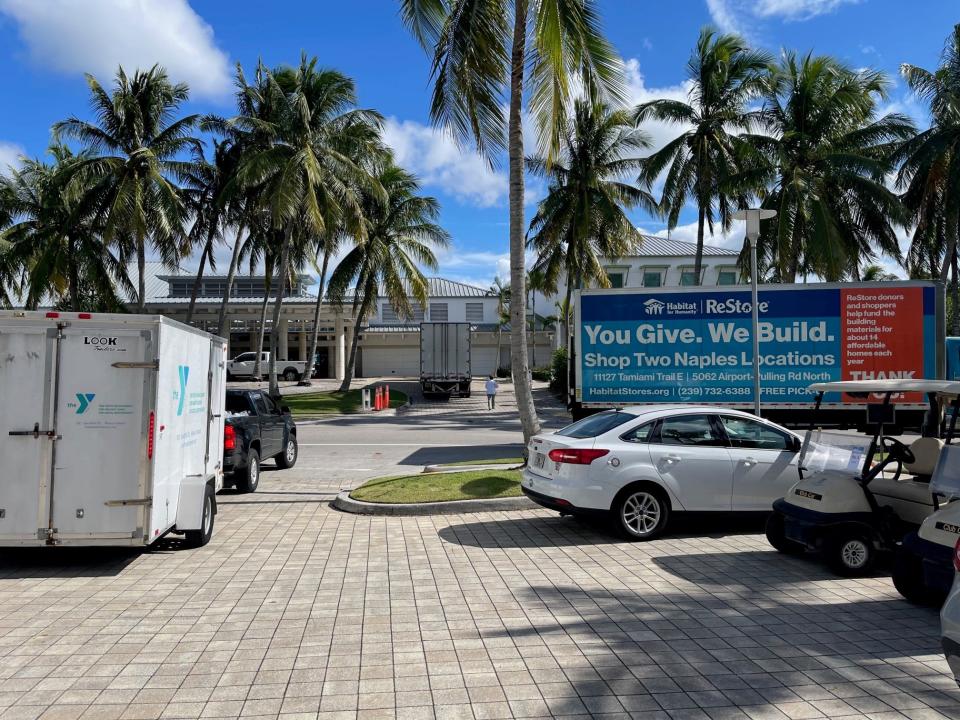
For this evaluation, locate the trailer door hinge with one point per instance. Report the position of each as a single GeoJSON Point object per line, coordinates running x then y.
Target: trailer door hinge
{"type": "Point", "coordinates": [36, 432]}
{"type": "Point", "coordinates": [124, 503]}
{"type": "Point", "coordinates": [47, 534]}
{"type": "Point", "coordinates": [148, 365]}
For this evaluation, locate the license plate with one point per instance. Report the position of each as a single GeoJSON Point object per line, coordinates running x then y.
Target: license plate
{"type": "Point", "coordinates": [539, 459]}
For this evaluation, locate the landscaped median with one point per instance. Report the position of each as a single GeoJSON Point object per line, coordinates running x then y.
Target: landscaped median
{"type": "Point", "coordinates": [307, 405]}
{"type": "Point", "coordinates": [472, 490]}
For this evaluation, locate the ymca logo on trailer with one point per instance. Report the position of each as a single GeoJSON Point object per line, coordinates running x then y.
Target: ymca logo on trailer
{"type": "Point", "coordinates": [654, 306]}
{"type": "Point", "coordinates": [184, 373]}
{"type": "Point", "coordinates": [83, 402]}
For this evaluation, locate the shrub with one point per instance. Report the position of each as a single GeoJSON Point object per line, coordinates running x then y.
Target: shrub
{"type": "Point", "coordinates": [558, 371]}
{"type": "Point", "coordinates": [503, 372]}
{"type": "Point", "coordinates": [544, 374]}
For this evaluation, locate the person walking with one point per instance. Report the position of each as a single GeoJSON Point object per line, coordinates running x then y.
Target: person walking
{"type": "Point", "coordinates": [491, 386]}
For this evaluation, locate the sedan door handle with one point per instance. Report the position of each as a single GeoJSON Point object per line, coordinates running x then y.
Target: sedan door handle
{"type": "Point", "coordinates": [672, 458]}
{"type": "Point", "coordinates": [749, 461]}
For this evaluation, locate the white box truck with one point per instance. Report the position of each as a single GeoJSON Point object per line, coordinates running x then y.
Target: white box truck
{"type": "Point", "coordinates": [445, 358]}
{"type": "Point", "coordinates": [111, 429]}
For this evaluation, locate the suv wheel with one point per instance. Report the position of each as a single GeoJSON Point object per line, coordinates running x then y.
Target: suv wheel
{"type": "Point", "coordinates": [249, 478]}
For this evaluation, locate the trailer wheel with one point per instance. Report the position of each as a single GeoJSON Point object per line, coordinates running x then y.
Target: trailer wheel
{"type": "Point", "coordinates": [199, 538]}
{"type": "Point", "coordinates": [249, 479]}
{"type": "Point", "coordinates": [777, 537]}
{"type": "Point", "coordinates": [851, 553]}
{"type": "Point", "coordinates": [288, 458]}
{"type": "Point", "coordinates": [908, 579]}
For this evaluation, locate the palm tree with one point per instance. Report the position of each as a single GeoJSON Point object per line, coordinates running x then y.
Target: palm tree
{"type": "Point", "coordinates": [400, 236]}
{"type": "Point", "coordinates": [501, 291]}
{"type": "Point", "coordinates": [725, 74]}
{"type": "Point", "coordinates": [134, 147]}
{"type": "Point", "coordinates": [483, 52]}
{"type": "Point", "coordinates": [53, 237]}
{"type": "Point", "coordinates": [583, 218]}
{"type": "Point", "coordinates": [297, 162]}
{"type": "Point", "coordinates": [825, 155]}
{"type": "Point", "coordinates": [205, 185]}
{"type": "Point", "coordinates": [876, 273]}
{"type": "Point", "coordinates": [930, 165]}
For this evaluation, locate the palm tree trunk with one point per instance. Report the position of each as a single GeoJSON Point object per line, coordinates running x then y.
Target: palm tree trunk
{"type": "Point", "coordinates": [352, 358]}
{"type": "Point", "coordinates": [518, 272]}
{"type": "Point", "coordinates": [75, 281]}
{"type": "Point", "coordinates": [565, 311]}
{"type": "Point", "coordinates": [698, 258]}
{"type": "Point", "coordinates": [277, 308]}
{"type": "Point", "coordinates": [141, 275]}
{"type": "Point", "coordinates": [533, 335]}
{"type": "Point", "coordinates": [231, 272]}
{"type": "Point", "coordinates": [262, 328]}
{"type": "Point", "coordinates": [195, 290]}
{"type": "Point", "coordinates": [311, 356]}
{"type": "Point", "coordinates": [951, 249]}
{"type": "Point", "coordinates": [496, 369]}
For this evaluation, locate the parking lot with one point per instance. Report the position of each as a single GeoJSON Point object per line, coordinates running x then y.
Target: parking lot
{"type": "Point", "coordinates": [296, 610]}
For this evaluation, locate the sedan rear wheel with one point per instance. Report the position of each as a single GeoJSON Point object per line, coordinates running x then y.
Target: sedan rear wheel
{"type": "Point", "coordinates": [641, 513]}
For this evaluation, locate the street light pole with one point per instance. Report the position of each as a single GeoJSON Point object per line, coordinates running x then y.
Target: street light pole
{"type": "Point", "coordinates": [753, 216]}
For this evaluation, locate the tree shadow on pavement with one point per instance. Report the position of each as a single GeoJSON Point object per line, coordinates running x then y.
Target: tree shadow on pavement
{"type": "Point", "coordinates": [439, 455]}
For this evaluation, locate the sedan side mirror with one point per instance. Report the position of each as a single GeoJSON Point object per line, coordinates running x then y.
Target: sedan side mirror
{"type": "Point", "coordinates": [797, 445]}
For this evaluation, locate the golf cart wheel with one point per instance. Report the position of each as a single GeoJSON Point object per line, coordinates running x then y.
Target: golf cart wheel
{"type": "Point", "coordinates": [908, 579]}
{"type": "Point", "coordinates": [640, 512]}
{"type": "Point", "coordinates": [291, 374]}
{"type": "Point", "coordinates": [851, 553]}
{"type": "Point", "coordinates": [776, 536]}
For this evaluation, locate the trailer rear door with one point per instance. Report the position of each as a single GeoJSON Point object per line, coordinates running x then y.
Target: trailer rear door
{"type": "Point", "coordinates": [99, 480]}
{"type": "Point", "coordinates": [26, 382]}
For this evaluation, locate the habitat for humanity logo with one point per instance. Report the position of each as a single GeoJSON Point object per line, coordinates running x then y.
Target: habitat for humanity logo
{"type": "Point", "coordinates": [83, 402]}
{"type": "Point", "coordinates": [184, 372]}
{"type": "Point", "coordinates": [654, 306]}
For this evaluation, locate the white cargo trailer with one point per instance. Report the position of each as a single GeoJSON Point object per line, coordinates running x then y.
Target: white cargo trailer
{"type": "Point", "coordinates": [111, 429]}
{"type": "Point", "coordinates": [445, 358]}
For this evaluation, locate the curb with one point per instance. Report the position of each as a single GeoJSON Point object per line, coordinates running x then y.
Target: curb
{"type": "Point", "coordinates": [444, 469]}
{"type": "Point", "coordinates": [345, 503]}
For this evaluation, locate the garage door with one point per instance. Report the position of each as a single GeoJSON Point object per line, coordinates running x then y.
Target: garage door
{"type": "Point", "coordinates": [390, 361]}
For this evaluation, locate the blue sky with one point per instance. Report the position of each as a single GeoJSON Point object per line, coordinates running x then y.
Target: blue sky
{"type": "Point", "coordinates": [46, 45]}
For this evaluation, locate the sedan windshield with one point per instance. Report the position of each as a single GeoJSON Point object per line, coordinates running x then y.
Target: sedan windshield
{"type": "Point", "coordinates": [596, 425]}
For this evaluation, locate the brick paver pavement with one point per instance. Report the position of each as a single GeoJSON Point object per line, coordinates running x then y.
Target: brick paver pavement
{"type": "Point", "coordinates": [298, 611]}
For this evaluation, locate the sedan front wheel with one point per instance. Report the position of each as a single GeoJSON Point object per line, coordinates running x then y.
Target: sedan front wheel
{"type": "Point", "coordinates": [641, 513]}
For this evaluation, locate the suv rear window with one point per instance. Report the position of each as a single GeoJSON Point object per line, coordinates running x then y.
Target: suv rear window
{"type": "Point", "coordinates": [596, 425]}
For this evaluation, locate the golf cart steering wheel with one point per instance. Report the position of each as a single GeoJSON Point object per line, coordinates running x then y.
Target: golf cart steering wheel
{"type": "Point", "coordinates": [896, 450]}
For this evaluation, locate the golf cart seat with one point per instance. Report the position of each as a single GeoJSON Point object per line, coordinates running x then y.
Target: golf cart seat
{"type": "Point", "coordinates": [910, 495]}
{"type": "Point", "coordinates": [926, 451]}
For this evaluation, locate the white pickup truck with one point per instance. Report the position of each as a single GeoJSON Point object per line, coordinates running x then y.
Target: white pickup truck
{"type": "Point", "coordinates": [242, 366]}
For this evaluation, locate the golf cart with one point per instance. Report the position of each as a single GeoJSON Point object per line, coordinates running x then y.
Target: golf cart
{"type": "Point", "coordinates": [923, 566]}
{"type": "Point", "coordinates": [848, 507]}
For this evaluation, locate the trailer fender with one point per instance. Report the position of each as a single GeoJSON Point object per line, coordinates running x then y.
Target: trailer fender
{"type": "Point", "coordinates": [190, 505]}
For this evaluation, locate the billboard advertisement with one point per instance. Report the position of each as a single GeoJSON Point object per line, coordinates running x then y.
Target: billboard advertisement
{"type": "Point", "coordinates": [694, 345]}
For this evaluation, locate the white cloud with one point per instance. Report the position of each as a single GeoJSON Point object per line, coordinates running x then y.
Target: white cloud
{"type": "Point", "coordinates": [437, 160]}
{"type": "Point", "coordinates": [739, 16]}
{"type": "Point", "coordinates": [660, 133]}
{"type": "Point", "coordinates": [798, 9]}
{"type": "Point", "coordinates": [9, 156]}
{"type": "Point", "coordinates": [723, 16]}
{"type": "Point", "coordinates": [96, 36]}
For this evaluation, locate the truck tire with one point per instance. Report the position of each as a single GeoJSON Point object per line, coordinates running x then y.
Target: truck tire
{"type": "Point", "coordinates": [248, 479]}
{"type": "Point", "coordinates": [288, 458]}
{"type": "Point", "coordinates": [199, 538]}
{"type": "Point", "coordinates": [291, 374]}
{"type": "Point", "coordinates": [908, 579]}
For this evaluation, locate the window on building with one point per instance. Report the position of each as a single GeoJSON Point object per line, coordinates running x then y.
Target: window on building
{"type": "Point", "coordinates": [617, 276]}
{"type": "Point", "coordinates": [392, 317]}
{"type": "Point", "coordinates": [727, 276]}
{"type": "Point", "coordinates": [474, 312]}
{"type": "Point", "coordinates": [653, 277]}
{"type": "Point", "coordinates": [688, 277]}
{"type": "Point", "coordinates": [438, 312]}
{"type": "Point", "coordinates": [388, 314]}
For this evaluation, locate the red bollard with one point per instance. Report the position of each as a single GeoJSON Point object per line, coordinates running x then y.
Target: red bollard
{"type": "Point", "coordinates": [386, 397]}
{"type": "Point", "coordinates": [378, 401]}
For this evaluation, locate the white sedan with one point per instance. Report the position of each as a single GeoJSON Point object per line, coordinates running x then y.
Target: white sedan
{"type": "Point", "coordinates": [640, 464]}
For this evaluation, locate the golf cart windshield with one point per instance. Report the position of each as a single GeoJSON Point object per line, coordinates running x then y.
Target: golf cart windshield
{"type": "Point", "coordinates": [834, 451]}
{"type": "Point", "coordinates": [946, 477]}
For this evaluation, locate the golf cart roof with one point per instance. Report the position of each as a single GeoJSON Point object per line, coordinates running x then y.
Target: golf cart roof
{"type": "Point", "coordinates": [943, 387]}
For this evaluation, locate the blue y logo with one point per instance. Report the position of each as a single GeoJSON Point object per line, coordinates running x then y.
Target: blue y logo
{"type": "Point", "coordinates": [184, 371]}
{"type": "Point", "coordinates": [84, 400]}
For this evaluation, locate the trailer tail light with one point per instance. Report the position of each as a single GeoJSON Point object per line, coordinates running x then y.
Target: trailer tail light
{"type": "Point", "coordinates": [52, 315]}
{"type": "Point", "coordinates": [575, 456]}
{"type": "Point", "coordinates": [150, 427]}
{"type": "Point", "coordinates": [229, 438]}
{"type": "Point", "coordinates": [84, 316]}
{"type": "Point", "coordinates": [956, 556]}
